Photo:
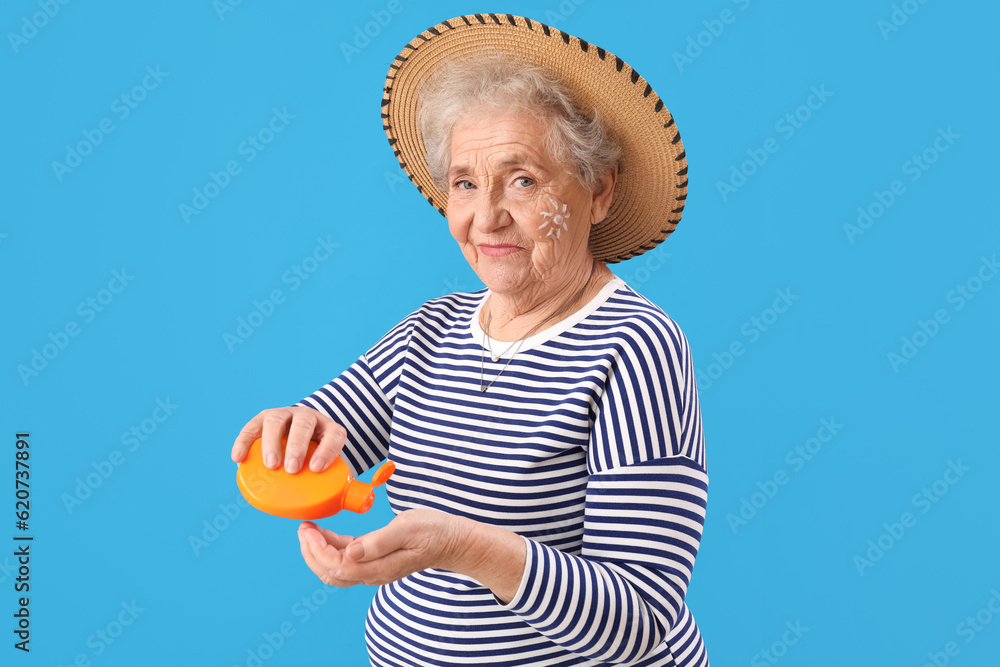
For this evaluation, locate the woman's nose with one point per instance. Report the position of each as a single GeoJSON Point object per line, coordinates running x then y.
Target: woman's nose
{"type": "Point", "coordinates": [491, 214]}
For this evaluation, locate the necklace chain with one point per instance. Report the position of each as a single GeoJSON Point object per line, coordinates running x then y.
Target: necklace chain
{"type": "Point", "coordinates": [487, 343]}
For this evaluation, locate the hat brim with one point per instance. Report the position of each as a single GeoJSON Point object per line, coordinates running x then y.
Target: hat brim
{"type": "Point", "coordinates": [652, 184]}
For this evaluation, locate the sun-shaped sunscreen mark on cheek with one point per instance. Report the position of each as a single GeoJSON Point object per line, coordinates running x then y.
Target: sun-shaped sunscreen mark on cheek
{"type": "Point", "coordinates": [556, 219]}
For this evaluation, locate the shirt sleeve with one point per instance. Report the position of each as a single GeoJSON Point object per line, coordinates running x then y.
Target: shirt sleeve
{"type": "Point", "coordinates": [361, 398]}
{"type": "Point", "coordinates": [623, 595]}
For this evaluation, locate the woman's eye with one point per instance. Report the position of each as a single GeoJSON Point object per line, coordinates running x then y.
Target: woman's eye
{"type": "Point", "coordinates": [525, 182]}
{"type": "Point", "coordinates": [464, 185]}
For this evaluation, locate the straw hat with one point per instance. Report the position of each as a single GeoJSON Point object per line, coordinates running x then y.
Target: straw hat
{"type": "Point", "coordinates": [652, 186]}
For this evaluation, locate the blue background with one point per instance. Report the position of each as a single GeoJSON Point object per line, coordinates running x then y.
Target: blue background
{"type": "Point", "coordinates": [791, 558]}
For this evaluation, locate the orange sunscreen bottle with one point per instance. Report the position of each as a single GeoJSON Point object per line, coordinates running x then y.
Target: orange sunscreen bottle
{"type": "Point", "coordinates": [305, 494]}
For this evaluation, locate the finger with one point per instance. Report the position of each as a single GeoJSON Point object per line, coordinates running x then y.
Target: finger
{"type": "Point", "coordinates": [322, 558]}
{"type": "Point", "coordinates": [250, 432]}
{"type": "Point", "coordinates": [332, 439]}
{"type": "Point", "coordinates": [324, 573]}
{"type": "Point", "coordinates": [334, 539]}
{"type": "Point", "coordinates": [397, 535]}
{"type": "Point", "coordinates": [275, 427]}
{"type": "Point", "coordinates": [304, 424]}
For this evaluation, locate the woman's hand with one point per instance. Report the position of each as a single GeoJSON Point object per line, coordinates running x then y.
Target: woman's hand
{"type": "Point", "coordinates": [300, 424]}
{"type": "Point", "coordinates": [414, 540]}
{"type": "Point", "coordinates": [417, 540]}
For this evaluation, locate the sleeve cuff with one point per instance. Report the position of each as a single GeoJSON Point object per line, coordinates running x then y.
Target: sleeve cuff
{"type": "Point", "coordinates": [530, 565]}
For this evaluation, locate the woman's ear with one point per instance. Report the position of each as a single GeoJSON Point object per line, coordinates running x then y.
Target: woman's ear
{"type": "Point", "coordinates": [603, 196]}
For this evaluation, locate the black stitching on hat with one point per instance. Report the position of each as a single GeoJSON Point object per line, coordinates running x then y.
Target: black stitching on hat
{"type": "Point", "coordinates": [659, 106]}
{"type": "Point", "coordinates": [601, 53]}
{"type": "Point", "coordinates": [678, 210]}
{"type": "Point", "coordinates": [681, 156]}
{"type": "Point", "coordinates": [683, 172]}
{"type": "Point", "coordinates": [528, 21]}
{"type": "Point", "coordinates": [392, 142]}
{"type": "Point", "coordinates": [584, 45]}
{"type": "Point", "coordinates": [421, 36]}
{"type": "Point", "coordinates": [441, 211]}
{"type": "Point", "coordinates": [387, 89]}
{"type": "Point", "coordinates": [385, 115]}
{"type": "Point", "coordinates": [401, 58]}
{"type": "Point", "coordinates": [647, 247]}
{"type": "Point", "coordinates": [466, 19]}
{"type": "Point", "coordinates": [674, 221]}
{"type": "Point", "coordinates": [684, 184]}
{"type": "Point", "coordinates": [450, 26]}
{"type": "Point", "coordinates": [677, 137]}
{"type": "Point", "coordinates": [667, 231]}
{"type": "Point", "coordinates": [669, 123]}
{"type": "Point", "coordinates": [648, 90]}
{"type": "Point", "coordinates": [682, 197]}
{"type": "Point", "coordinates": [619, 63]}
{"type": "Point", "coordinates": [410, 176]}
{"type": "Point", "coordinates": [635, 76]}
{"type": "Point", "coordinates": [545, 29]}
{"type": "Point", "coordinates": [434, 31]}
{"type": "Point", "coordinates": [411, 47]}
{"type": "Point", "coordinates": [420, 189]}
{"type": "Point", "coordinates": [430, 199]}
{"type": "Point", "coordinates": [510, 17]}
{"type": "Point", "coordinates": [396, 153]}
{"type": "Point", "coordinates": [403, 165]}
{"type": "Point", "coordinates": [385, 102]}
{"type": "Point", "coordinates": [480, 18]}
{"type": "Point", "coordinates": [564, 36]}
{"type": "Point", "coordinates": [495, 19]}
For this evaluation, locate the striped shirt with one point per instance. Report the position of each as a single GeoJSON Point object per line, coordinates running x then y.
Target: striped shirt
{"type": "Point", "coordinates": [589, 445]}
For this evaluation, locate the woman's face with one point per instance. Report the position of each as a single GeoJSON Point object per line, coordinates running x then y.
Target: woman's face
{"type": "Point", "coordinates": [521, 219]}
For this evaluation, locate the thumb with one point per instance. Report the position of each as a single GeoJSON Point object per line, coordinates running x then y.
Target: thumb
{"type": "Point", "coordinates": [377, 544]}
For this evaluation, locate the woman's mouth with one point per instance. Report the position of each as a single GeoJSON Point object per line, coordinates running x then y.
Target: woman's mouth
{"type": "Point", "coordinates": [498, 250]}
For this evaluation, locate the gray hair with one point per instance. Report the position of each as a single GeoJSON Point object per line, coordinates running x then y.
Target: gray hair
{"type": "Point", "coordinates": [496, 84]}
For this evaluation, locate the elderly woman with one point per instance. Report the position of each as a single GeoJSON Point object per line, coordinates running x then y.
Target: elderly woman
{"type": "Point", "coordinates": [550, 482]}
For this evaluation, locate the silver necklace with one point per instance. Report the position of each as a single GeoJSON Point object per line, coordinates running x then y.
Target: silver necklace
{"type": "Point", "coordinates": [519, 342]}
